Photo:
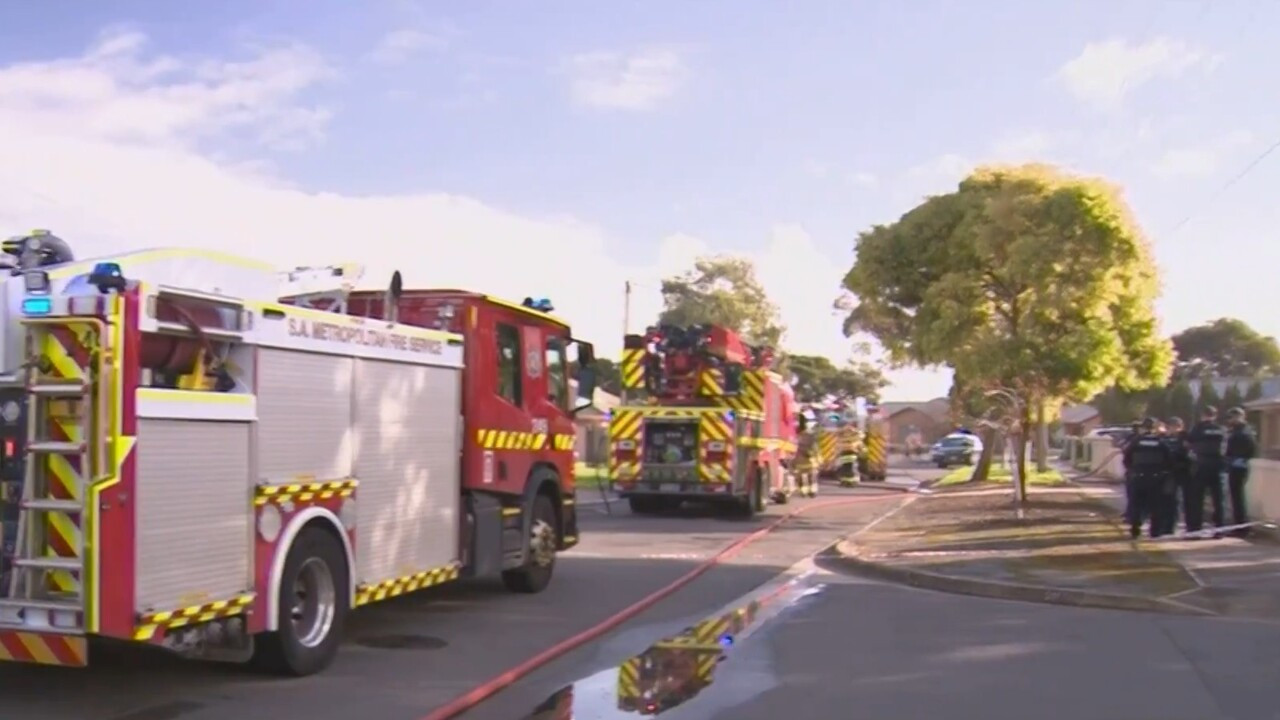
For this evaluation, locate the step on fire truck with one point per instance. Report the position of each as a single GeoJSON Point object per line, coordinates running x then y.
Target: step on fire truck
{"type": "Point", "coordinates": [191, 462]}
{"type": "Point", "coordinates": [716, 425]}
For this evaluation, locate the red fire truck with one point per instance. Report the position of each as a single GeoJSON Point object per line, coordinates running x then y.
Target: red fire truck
{"type": "Point", "coordinates": [716, 424]}
{"type": "Point", "coordinates": [190, 462]}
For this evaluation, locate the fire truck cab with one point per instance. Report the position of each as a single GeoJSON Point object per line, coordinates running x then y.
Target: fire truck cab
{"type": "Point", "coordinates": [194, 461]}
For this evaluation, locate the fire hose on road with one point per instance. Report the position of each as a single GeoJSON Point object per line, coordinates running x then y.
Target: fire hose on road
{"type": "Point", "coordinates": [487, 689]}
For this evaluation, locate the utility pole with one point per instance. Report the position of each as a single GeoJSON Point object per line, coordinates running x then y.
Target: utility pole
{"type": "Point", "coordinates": [626, 328]}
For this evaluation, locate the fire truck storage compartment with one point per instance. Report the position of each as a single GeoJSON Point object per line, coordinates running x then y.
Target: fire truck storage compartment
{"type": "Point", "coordinates": [395, 427]}
{"type": "Point", "coordinates": [193, 517]}
{"type": "Point", "coordinates": [663, 437]}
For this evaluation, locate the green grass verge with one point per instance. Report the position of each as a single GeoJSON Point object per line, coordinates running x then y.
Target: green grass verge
{"type": "Point", "coordinates": [590, 476]}
{"type": "Point", "coordinates": [1000, 474]}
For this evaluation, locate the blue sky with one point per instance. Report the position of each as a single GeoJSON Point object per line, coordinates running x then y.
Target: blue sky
{"type": "Point", "coordinates": [613, 141]}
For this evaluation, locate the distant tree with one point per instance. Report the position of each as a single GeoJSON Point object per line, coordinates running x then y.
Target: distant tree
{"type": "Point", "coordinates": [817, 378]}
{"type": "Point", "coordinates": [1182, 403]}
{"type": "Point", "coordinates": [1232, 397]}
{"type": "Point", "coordinates": [1118, 407]}
{"type": "Point", "coordinates": [608, 376]}
{"type": "Point", "coordinates": [1158, 405]}
{"type": "Point", "coordinates": [1224, 347]}
{"type": "Point", "coordinates": [1254, 392]}
{"type": "Point", "coordinates": [722, 290]}
{"type": "Point", "coordinates": [1208, 396]}
{"type": "Point", "coordinates": [1024, 278]}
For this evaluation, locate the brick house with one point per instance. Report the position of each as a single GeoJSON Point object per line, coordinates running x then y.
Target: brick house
{"type": "Point", "coordinates": [1264, 414]}
{"type": "Point", "coordinates": [1080, 420]}
{"type": "Point", "coordinates": [931, 419]}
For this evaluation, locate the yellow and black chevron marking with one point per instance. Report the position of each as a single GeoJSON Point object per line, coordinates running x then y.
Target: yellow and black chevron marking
{"type": "Point", "coordinates": [366, 594]}
{"type": "Point", "coordinates": [714, 427]}
{"type": "Point", "coordinates": [874, 449]}
{"type": "Point", "coordinates": [563, 441]}
{"type": "Point", "coordinates": [751, 396]}
{"type": "Point", "coordinates": [629, 679]}
{"type": "Point", "coordinates": [305, 492]}
{"type": "Point", "coordinates": [625, 424]}
{"type": "Point", "coordinates": [710, 383]}
{"type": "Point", "coordinates": [632, 369]}
{"type": "Point", "coordinates": [826, 447]}
{"type": "Point", "coordinates": [150, 625]}
{"type": "Point", "coordinates": [510, 440]}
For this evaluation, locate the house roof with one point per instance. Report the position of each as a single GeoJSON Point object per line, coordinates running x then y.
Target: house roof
{"type": "Point", "coordinates": [937, 408]}
{"type": "Point", "coordinates": [1264, 403]}
{"type": "Point", "coordinates": [1072, 414]}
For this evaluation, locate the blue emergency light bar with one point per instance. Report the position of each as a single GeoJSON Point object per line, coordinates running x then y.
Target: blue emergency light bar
{"type": "Point", "coordinates": [539, 304]}
{"type": "Point", "coordinates": [37, 306]}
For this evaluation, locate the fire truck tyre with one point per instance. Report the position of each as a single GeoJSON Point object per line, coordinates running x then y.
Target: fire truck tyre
{"type": "Point", "coordinates": [312, 608]}
{"type": "Point", "coordinates": [535, 575]}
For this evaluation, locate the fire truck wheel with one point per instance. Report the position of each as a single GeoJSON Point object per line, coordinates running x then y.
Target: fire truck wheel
{"type": "Point", "coordinates": [312, 607]}
{"type": "Point", "coordinates": [535, 575]}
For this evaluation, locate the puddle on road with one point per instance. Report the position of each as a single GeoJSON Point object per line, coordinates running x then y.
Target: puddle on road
{"type": "Point", "coordinates": [674, 672]}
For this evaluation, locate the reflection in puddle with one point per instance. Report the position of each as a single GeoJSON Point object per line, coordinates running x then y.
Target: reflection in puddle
{"type": "Point", "coordinates": [676, 669]}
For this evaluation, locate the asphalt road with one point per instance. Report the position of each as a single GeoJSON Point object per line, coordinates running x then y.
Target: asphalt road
{"type": "Point", "coordinates": [919, 654]}
{"type": "Point", "coordinates": [406, 656]}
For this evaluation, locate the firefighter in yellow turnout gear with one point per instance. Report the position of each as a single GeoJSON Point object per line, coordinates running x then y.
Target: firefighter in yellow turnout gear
{"type": "Point", "coordinates": [805, 465]}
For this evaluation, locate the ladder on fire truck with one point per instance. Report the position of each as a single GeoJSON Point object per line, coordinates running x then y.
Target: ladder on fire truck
{"type": "Point", "coordinates": [46, 587]}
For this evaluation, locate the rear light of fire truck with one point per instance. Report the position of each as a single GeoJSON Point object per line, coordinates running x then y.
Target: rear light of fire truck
{"type": "Point", "coordinates": [625, 449]}
{"type": "Point", "coordinates": [717, 452]}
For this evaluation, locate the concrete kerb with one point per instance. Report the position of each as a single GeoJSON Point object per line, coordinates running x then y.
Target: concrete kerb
{"type": "Point", "coordinates": [840, 558]}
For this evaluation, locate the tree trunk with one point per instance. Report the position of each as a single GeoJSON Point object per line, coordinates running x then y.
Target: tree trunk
{"type": "Point", "coordinates": [1020, 448]}
{"type": "Point", "coordinates": [1042, 440]}
{"type": "Point", "coordinates": [982, 470]}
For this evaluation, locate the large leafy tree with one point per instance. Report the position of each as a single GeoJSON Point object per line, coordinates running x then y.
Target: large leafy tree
{"type": "Point", "coordinates": [1024, 279]}
{"type": "Point", "coordinates": [816, 378]}
{"type": "Point", "coordinates": [1224, 347]}
{"type": "Point", "coordinates": [722, 290]}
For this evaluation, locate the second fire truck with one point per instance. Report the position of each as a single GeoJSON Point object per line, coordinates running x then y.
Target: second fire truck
{"type": "Point", "coordinates": [190, 462]}
{"type": "Point", "coordinates": [716, 423]}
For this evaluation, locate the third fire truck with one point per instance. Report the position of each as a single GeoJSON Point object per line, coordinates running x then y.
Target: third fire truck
{"type": "Point", "coordinates": [192, 461]}
{"type": "Point", "coordinates": [716, 423]}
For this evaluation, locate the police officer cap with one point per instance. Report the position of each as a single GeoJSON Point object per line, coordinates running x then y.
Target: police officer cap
{"type": "Point", "coordinates": [1235, 412]}
{"type": "Point", "coordinates": [1149, 423]}
{"type": "Point", "coordinates": [1209, 410]}
{"type": "Point", "coordinates": [1175, 420]}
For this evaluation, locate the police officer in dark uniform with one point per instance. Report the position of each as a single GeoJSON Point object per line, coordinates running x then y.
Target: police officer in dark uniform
{"type": "Point", "coordinates": [1147, 462]}
{"type": "Point", "coordinates": [1206, 439]}
{"type": "Point", "coordinates": [1179, 474]}
{"type": "Point", "coordinates": [1241, 448]}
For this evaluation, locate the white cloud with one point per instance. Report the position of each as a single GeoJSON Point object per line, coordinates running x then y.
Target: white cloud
{"type": "Point", "coordinates": [95, 186]}
{"type": "Point", "coordinates": [816, 168]}
{"type": "Point", "coordinates": [1104, 72]}
{"type": "Point", "coordinates": [863, 179]}
{"type": "Point", "coordinates": [398, 46]}
{"type": "Point", "coordinates": [116, 93]}
{"type": "Point", "coordinates": [1202, 159]}
{"type": "Point", "coordinates": [636, 81]}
